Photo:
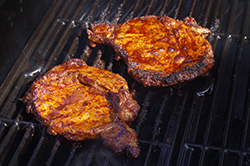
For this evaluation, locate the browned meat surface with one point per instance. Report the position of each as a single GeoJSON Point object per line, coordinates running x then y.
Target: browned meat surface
{"type": "Point", "coordinates": [158, 50]}
{"type": "Point", "coordinates": [82, 102]}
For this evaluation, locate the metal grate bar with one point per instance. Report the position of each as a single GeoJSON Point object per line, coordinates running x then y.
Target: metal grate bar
{"type": "Point", "coordinates": [106, 12]}
{"type": "Point", "coordinates": [157, 10]}
{"type": "Point", "coordinates": [120, 12]}
{"type": "Point", "coordinates": [232, 94]}
{"type": "Point", "coordinates": [64, 37]}
{"type": "Point", "coordinates": [244, 64]}
{"type": "Point", "coordinates": [55, 28]}
{"type": "Point", "coordinates": [22, 61]}
{"type": "Point", "coordinates": [193, 6]}
{"type": "Point", "coordinates": [8, 140]}
{"type": "Point", "coordinates": [143, 113]}
{"type": "Point", "coordinates": [177, 9]}
{"type": "Point", "coordinates": [202, 10]}
{"type": "Point", "coordinates": [218, 10]}
{"type": "Point", "coordinates": [173, 127]}
{"type": "Point", "coordinates": [38, 150]}
{"type": "Point", "coordinates": [239, 88]}
{"type": "Point", "coordinates": [136, 8]}
{"type": "Point", "coordinates": [244, 31]}
{"type": "Point", "coordinates": [164, 8]}
{"type": "Point", "coordinates": [73, 48]}
{"type": "Point", "coordinates": [15, 160]}
{"type": "Point", "coordinates": [8, 107]}
{"type": "Point", "coordinates": [195, 116]}
{"type": "Point", "coordinates": [159, 115]}
{"type": "Point", "coordinates": [90, 155]}
{"type": "Point", "coordinates": [245, 26]}
{"type": "Point", "coordinates": [3, 127]}
{"type": "Point", "coordinates": [143, 10]}
{"type": "Point", "coordinates": [232, 16]}
{"type": "Point", "coordinates": [72, 153]}
{"type": "Point", "coordinates": [245, 141]}
{"type": "Point", "coordinates": [114, 20]}
{"type": "Point", "coordinates": [157, 123]}
{"type": "Point", "coordinates": [148, 155]}
{"type": "Point", "coordinates": [53, 152]}
{"type": "Point", "coordinates": [232, 35]}
{"type": "Point", "coordinates": [234, 7]}
{"type": "Point", "coordinates": [201, 146]}
{"type": "Point", "coordinates": [221, 15]}
{"type": "Point", "coordinates": [222, 65]}
{"type": "Point", "coordinates": [202, 157]}
{"type": "Point", "coordinates": [183, 122]}
{"type": "Point", "coordinates": [151, 6]}
{"type": "Point", "coordinates": [215, 91]}
{"type": "Point", "coordinates": [208, 11]}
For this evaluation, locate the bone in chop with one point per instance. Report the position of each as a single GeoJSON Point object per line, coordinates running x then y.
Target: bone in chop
{"type": "Point", "coordinates": [158, 50]}
{"type": "Point", "coordinates": [82, 102]}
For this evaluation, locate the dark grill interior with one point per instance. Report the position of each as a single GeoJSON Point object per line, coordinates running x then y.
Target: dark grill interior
{"type": "Point", "coordinates": [202, 122]}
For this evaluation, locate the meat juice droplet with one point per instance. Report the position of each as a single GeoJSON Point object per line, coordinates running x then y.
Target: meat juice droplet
{"type": "Point", "coordinates": [74, 25]}
{"type": "Point", "coordinates": [168, 140]}
{"type": "Point", "coordinates": [170, 49]}
{"type": "Point", "coordinates": [33, 72]}
{"type": "Point", "coordinates": [207, 87]}
{"type": "Point", "coordinates": [179, 60]}
{"type": "Point", "coordinates": [62, 21]}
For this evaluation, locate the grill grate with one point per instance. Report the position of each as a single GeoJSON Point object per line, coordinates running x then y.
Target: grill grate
{"type": "Point", "coordinates": [204, 122]}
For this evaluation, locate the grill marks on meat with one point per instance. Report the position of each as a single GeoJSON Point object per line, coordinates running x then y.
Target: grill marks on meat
{"type": "Point", "coordinates": [82, 102]}
{"type": "Point", "coordinates": [158, 50]}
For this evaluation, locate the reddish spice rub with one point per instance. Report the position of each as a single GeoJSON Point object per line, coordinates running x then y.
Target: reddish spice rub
{"type": "Point", "coordinates": [82, 102]}
{"type": "Point", "coordinates": [158, 50]}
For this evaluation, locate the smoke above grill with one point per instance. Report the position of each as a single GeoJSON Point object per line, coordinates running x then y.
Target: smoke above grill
{"type": "Point", "coordinates": [201, 122]}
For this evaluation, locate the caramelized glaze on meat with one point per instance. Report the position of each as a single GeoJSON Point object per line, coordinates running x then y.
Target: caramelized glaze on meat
{"type": "Point", "coordinates": [82, 102]}
{"type": "Point", "coordinates": [158, 50]}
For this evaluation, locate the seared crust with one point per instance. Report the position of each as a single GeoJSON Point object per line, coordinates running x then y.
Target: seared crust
{"type": "Point", "coordinates": [159, 51]}
{"type": "Point", "coordinates": [81, 102]}
{"type": "Point", "coordinates": [118, 138]}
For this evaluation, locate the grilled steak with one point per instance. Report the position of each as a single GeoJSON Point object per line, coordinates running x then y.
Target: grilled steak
{"type": "Point", "coordinates": [82, 102]}
{"type": "Point", "coordinates": [158, 50]}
